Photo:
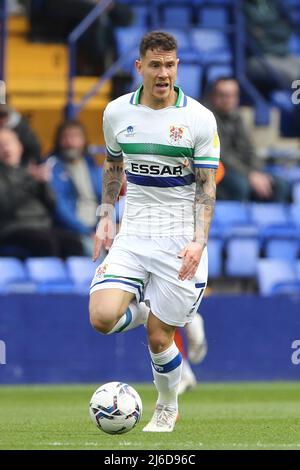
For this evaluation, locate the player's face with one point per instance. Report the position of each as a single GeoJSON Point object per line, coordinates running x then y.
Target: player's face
{"type": "Point", "coordinates": [159, 71]}
{"type": "Point", "coordinates": [225, 97]}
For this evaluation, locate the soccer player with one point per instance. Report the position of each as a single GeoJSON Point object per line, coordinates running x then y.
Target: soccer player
{"type": "Point", "coordinates": [167, 143]}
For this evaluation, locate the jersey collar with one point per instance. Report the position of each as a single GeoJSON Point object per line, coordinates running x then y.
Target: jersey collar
{"type": "Point", "coordinates": [180, 103]}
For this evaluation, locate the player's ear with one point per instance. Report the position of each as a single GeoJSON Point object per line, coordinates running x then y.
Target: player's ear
{"type": "Point", "coordinates": [138, 65]}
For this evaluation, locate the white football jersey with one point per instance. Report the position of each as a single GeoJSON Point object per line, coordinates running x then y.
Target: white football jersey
{"type": "Point", "coordinates": [160, 148]}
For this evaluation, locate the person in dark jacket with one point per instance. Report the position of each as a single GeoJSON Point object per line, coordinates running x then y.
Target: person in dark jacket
{"type": "Point", "coordinates": [77, 182]}
{"type": "Point", "coordinates": [11, 119]}
{"type": "Point", "coordinates": [244, 178]}
{"type": "Point", "coordinates": [26, 206]}
{"type": "Point", "coordinates": [270, 32]}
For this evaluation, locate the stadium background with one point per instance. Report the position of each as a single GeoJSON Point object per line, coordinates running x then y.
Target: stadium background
{"type": "Point", "coordinates": [252, 310]}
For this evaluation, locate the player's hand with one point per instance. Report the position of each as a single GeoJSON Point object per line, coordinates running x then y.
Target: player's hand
{"type": "Point", "coordinates": [191, 255]}
{"type": "Point", "coordinates": [104, 236]}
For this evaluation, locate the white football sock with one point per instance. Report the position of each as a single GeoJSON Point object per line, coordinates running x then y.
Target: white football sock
{"type": "Point", "coordinates": [166, 368]}
{"type": "Point", "coordinates": [187, 372]}
{"type": "Point", "coordinates": [135, 315]}
{"type": "Point", "coordinates": [195, 329]}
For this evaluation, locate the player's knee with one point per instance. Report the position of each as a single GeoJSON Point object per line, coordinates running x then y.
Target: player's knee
{"type": "Point", "coordinates": [101, 325]}
{"type": "Point", "coordinates": [102, 320]}
{"type": "Point", "coordinates": [158, 341]}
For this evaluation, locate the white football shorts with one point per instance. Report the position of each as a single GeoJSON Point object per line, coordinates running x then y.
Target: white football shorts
{"type": "Point", "coordinates": [149, 267]}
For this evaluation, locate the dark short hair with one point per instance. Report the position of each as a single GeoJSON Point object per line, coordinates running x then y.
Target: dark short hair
{"type": "Point", "coordinates": [70, 124]}
{"type": "Point", "coordinates": [157, 40]}
{"type": "Point", "coordinates": [227, 78]}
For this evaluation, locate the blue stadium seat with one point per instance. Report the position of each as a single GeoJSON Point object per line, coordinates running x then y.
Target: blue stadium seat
{"type": "Point", "coordinates": [214, 231]}
{"type": "Point", "coordinates": [134, 2]}
{"type": "Point", "coordinates": [296, 192]}
{"type": "Point", "coordinates": [294, 15]}
{"type": "Point", "coordinates": [215, 247]}
{"type": "Point", "coordinates": [208, 39]}
{"type": "Point", "coordinates": [292, 3]}
{"type": "Point", "coordinates": [189, 56]}
{"type": "Point", "coordinates": [13, 276]}
{"type": "Point", "coordinates": [81, 270]}
{"type": "Point", "coordinates": [213, 17]}
{"type": "Point", "coordinates": [190, 79]}
{"type": "Point", "coordinates": [212, 46]}
{"type": "Point", "coordinates": [266, 214]}
{"type": "Point", "coordinates": [282, 100]}
{"type": "Point", "coordinates": [298, 270]}
{"type": "Point", "coordinates": [217, 2]}
{"type": "Point", "coordinates": [49, 274]}
{"type": "Point", "coordinates": [273, 273]}
{"type": "Point", "coordinates": [242, 257]}
{"type": "Point", "coordinates": [214, 72]}
{"type": "Point", "coordinates": [286, 249]}
{"type": "Point", "coordinates": [140, 15]}
{"type": "Point", "coordinates": [176, 17]}
{"type": "Point", "coordinates": [294, 214]}
{"type": "Point", "coordinates": [294, 44]}
{"type": "Point", "coordinates": [181, 36]}
{"type": "Point", "coordinates": [286, 288]}
{"type": "Point", "coordinates": [127, 43]}
{"type": "Point", "coordinates": [128, 38]}
{"type": "Point", "coordinates": [231, 213]}
{"type": "Point", "coordinates": [162, 3]}
{"type": "Point", "coordinates": [232, 218]}
{"type": "Point", "coordinates": [185, 53]}
{"type": "Point", "coordinates": [273, 221]}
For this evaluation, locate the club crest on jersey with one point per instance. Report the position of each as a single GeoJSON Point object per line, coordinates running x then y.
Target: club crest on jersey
{"type": "Point", "coordinates": [176, 133]}
{"type": "Point", "coordinates": [101, 270]}
{"type": "Point", "coordinates": [129, 131]}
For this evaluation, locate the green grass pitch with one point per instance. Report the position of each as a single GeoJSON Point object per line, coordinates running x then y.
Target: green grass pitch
{"type": "Point", "coordinates": [213, 416]}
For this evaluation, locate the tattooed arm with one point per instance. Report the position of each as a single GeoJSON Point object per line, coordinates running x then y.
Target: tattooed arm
{"type": "Point", "coordinates": [112, 181]}
{"type": "Point", "coordinates": [111, 186]}
{"type": "Point", "coordinates": [203, 212]}
{"type": "Point", "coordinates": [204, 202]}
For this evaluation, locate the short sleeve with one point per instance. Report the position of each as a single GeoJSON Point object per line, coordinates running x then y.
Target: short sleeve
{"type": "Point", "coordinates": [207, 144]}
{"type": "Point", "coordinates": [113, 149]}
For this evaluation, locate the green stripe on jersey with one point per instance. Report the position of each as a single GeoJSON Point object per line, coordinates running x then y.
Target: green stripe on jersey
{"type": "Point", "coordinates": [210, 159]}
{"type": "Point", "coordinates": [157, 149]}
{"type": "Point", "coordinates": [107, 276]}
{"type": "Point", "coordinates": [138, 94]}
{"type": "Point", "coordinates": [179, 91]}
{"type": "Point", "coordinates": [113, 152]}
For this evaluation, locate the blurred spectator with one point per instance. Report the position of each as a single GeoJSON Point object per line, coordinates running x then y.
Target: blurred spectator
{"type": "Point", "coordinates": [11, 119]}
{"type": "Point", "coordinates": [270, 32]}
{"type": "Point", "coordinates": [14, 7]}
{"type": "Point", "coordinates": [76, 180]}
{"type": "Point", "coordinates": [244, 179]}
{"type": "Point", "coordinates": [97, 42]}
{"type": "Point", "coordinates": [26, 206]}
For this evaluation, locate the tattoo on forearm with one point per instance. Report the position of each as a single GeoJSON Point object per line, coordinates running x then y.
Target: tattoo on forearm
{"type": "Point", "coordinates": [205, 198]}
{"type": "Point", "coordinates": [112, 182]}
